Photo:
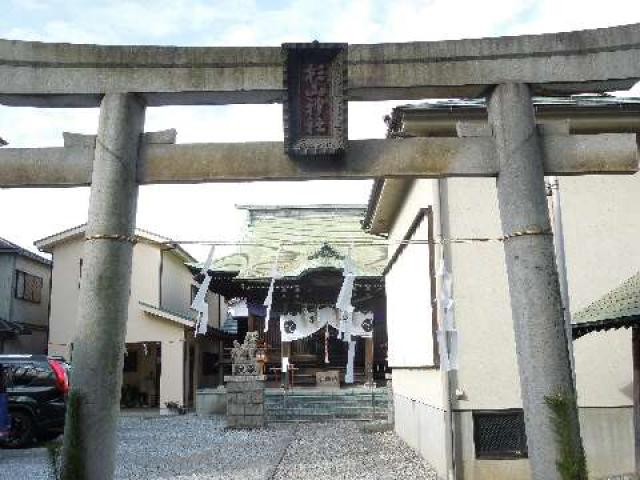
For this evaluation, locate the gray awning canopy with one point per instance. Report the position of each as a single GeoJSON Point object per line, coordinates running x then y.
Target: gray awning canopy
{"type": "Point", "coordinates": [620, 308]}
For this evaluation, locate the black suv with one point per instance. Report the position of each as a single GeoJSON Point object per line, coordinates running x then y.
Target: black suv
{"type": "Point", "coordinates": [37, 388]}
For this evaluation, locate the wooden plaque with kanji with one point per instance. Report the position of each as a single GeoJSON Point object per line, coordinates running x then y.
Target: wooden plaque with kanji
{"type": "Point", "coordinates": [315, 105]}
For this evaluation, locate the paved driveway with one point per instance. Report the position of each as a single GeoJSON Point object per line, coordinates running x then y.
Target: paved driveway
{"type": "Point", "coordinates": [199, 448]}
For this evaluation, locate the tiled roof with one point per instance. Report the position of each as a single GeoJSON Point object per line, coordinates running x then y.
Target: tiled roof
{"type": "Point", "coordinates": [480, 103]}
{"type": "Point", "coordinates": [618, 308]}
{"type": "Point", "coordinates": [9, 247]}
{"type": "Point", "coordinates": [48, 243]}
{"type": "Point", "coordinates": [324, 234]}
{"type": "Point", "coordinates": [477, 108]}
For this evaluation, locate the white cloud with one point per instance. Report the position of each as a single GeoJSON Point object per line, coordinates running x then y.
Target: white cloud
{"type": "Point", "coordinates": [43, 127]}
{"type": "Point", "coordinates": [229, 123]}
{"type": "Point", "coordinates": [561, 16]}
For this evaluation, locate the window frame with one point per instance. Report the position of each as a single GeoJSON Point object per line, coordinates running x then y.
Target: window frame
{"type": "Point", "coordinates": [22, 275]}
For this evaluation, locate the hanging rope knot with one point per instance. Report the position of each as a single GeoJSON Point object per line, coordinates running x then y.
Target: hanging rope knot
{"type": "Point", "coordinates": [535, 230]}
{"type": "Point", "coordinates": [117, 238]}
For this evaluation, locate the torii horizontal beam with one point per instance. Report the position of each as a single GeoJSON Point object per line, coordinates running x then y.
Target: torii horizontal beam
{"type": "Point", "coordinates": [71, 166]}
{"type": "Point", "coordinates": [67, 75]}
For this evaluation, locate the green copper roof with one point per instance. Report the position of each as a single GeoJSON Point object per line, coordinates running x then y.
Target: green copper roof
{"type": "Point", "coordinates": [622, 301]}
{"type": "Point", "coordinates": [309, 238]}
{"type": "Point", "coordinates": [620, 308]}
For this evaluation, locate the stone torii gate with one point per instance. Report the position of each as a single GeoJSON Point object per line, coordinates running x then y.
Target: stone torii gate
{"type": "Point", "coordinates": [124, 80]}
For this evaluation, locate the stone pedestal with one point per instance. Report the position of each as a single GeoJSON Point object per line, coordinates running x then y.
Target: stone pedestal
{"type": "Point", "coordinates": [245, 401]}
{"type": "Point", "coordinates": [211, 401]}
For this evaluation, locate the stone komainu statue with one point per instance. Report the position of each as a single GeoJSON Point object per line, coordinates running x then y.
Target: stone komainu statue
{"type": "Point", "coordinates": [243, 356]}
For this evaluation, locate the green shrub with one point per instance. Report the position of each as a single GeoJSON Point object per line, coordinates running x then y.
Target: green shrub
{"type": "Point", "coordinates": [571, 463]}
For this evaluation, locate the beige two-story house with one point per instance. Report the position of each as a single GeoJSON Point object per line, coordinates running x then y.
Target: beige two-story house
{"type": "Point", "coordinates": [458, 401]}
{"type": "Point", "coordinates": [164, 361]}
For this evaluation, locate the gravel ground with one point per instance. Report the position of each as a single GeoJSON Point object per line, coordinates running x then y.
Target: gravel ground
{"type": "Point", "coordinates": [191, 447]}
{"type": "Point", "coordinates": [342, 451]}
{"type": "Point", "coordinates": [199, 448]}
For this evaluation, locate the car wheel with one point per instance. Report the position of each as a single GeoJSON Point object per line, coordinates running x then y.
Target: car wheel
{"type": "Point", "coordinates": [21, 430]}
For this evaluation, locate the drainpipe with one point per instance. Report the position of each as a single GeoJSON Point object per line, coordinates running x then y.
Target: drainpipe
{"type": "Point", "coordinates": [449, 377]}
{"type": "Point", "coordinates": [48, 336]}
{"type": "Point", "coordinates": [561, 261]}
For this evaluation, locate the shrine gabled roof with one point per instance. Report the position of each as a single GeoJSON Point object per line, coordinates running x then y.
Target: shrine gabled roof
{"type": "Point", "coordinates": [308, 237]}
{"type": "Point", "coordinates": [618, 308]}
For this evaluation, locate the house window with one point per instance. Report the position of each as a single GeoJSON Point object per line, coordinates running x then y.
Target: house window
{"type": "Point", "coordinates": [28, 287]}
{"type": "Point", "coordinates": [499, 434]}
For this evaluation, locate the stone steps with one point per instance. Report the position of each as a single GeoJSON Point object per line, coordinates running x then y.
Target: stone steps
{"type": "Point", "coordinates": [312, 405]}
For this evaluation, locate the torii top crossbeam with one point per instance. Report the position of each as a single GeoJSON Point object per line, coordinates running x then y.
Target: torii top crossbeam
{"type": "Point", "coordinates": [67, 75]}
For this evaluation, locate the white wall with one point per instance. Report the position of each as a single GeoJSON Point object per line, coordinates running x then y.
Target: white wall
{"type": "Point", "coordinates": [488, 372]}
{"type": "Point", "coordinates": [601, 224]}
{"type": "Point", "coordinates": [601, 228]}
{"type": "Point", "coordinates": [418, 390]}
{"type": "Point", "coordinates": [172, 377]}
{"type": "Point", "coordinates": [176, 284]}
{"type": "Point", "coordinates": [145, 287]}
{"type": "Point", "coordinates": [409, 324]}
{"type": "Point", "coordinates": [409, 305]}
{"type": "Point", "coordinates": [64, 296]}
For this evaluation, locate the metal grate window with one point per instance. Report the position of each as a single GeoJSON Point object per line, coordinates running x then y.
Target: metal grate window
{"type": "Point", "coordinates": [499, 434]}
{"type": "Point", "coordinates": [28, 287]}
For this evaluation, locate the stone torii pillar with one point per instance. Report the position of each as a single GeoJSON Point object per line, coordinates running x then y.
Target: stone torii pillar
{"type": "Point", "coordinates": [536, 306]}
{"type": "Point", "coordinates": [94, 407]}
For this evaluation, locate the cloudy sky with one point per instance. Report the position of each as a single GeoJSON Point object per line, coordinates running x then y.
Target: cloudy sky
{"type": "Point", "coordinates": [207, 211]}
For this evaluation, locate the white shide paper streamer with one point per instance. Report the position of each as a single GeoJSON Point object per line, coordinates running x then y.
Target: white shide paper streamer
{"type": "Point", "coordinates": [447, 335]}
{"type": "Point", "coordinates": [200, 301]}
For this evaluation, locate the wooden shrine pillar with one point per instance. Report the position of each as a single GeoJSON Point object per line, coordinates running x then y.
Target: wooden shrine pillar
{"type": "Point", "coordinates": [195, 373]}
{"type": "Point", "coordinates": [251, 323]}
{"type": "Point", "coordinates": [368, 361]}
{"type": "Point", "coordinates": [220, 362]}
